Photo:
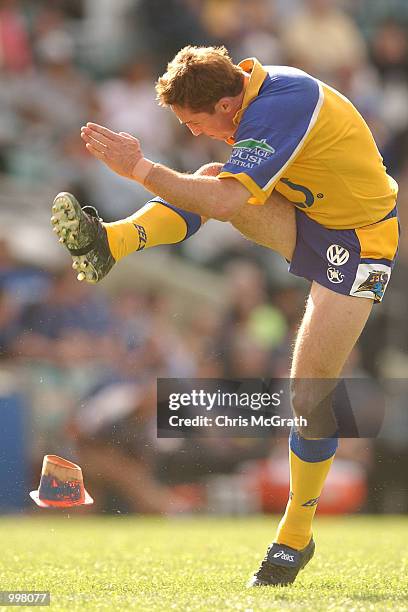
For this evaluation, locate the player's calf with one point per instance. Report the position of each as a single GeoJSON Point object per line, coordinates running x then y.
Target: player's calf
{"type": "Point", "coordinates": [95, 246]}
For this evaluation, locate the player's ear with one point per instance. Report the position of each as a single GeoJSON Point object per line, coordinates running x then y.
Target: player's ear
{"type": "Point", "coordinates": [224, 105]}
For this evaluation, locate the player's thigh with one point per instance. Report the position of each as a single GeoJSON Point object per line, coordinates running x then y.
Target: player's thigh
{"type": "Point", "coordinates": [272, 225]}
{"type": "Point", "coordinates": [331, 326]}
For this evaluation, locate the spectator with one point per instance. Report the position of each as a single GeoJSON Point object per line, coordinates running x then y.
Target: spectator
{"type": "Point", "coordinates": [337, 44]}
{"type": "Point", "coordinates": [9, 327]}
{"type": "Point", "coordinates": [15, 50]}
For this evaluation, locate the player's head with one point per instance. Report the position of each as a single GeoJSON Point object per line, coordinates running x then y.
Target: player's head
{"type": "Point", "coordinates": [204, 88]}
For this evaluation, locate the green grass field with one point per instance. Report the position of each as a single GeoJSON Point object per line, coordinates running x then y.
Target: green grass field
{"type": "Point", "coordinates": [135, 563]}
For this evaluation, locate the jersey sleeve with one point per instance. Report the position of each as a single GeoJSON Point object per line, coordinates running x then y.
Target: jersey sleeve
{"type": "Point", "coordinates": [271, 133]}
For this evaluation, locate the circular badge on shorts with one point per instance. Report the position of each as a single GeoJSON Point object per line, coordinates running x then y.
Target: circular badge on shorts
{"type": "Point", "coordinates": [334, 275]}
{"type": "Point", "coordinates": [337, 255]}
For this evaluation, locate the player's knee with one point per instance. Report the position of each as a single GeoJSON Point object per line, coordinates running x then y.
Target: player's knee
{"type": "Point", "coordinates": [307, 431]}
{"type": "Point", "coordinates": [302, 399]}
{"type": "Point", "coordinates": [211, 169]}
{"type": "Point", "coordinates": [312, 406]}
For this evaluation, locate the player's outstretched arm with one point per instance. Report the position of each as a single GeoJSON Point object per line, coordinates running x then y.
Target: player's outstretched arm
{"type": "Point", "coordinates": [206, 196]}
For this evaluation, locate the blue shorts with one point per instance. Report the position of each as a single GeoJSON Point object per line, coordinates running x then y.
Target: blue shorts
{"type": "Point", "coordinates": [354, 262]}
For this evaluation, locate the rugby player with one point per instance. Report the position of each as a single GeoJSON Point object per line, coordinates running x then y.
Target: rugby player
{"type": "Point", "coordinates": [305, 179]}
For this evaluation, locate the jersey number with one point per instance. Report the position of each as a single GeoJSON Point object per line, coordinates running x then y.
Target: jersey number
{"type": "Point", "coordinates": [309, 197]}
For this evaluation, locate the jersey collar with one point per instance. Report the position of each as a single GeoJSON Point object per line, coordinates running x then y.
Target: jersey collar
{"type": "Point", "coordinates": [256, 76]}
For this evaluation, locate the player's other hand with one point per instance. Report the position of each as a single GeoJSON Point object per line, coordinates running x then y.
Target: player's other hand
{"type": "Point", "coordinates": [118, 150]}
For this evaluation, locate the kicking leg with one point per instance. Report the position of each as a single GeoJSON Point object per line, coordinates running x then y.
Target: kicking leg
{"type": "Point", "coordinates": [96, 246]}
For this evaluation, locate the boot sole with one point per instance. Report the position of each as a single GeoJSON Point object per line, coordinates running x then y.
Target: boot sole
{"type": "Point", "coordinates": [66, 218]}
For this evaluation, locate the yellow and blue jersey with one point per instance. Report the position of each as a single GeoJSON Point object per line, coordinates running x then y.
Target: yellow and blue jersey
{"type": "Point", "coordinates": [299, 136]}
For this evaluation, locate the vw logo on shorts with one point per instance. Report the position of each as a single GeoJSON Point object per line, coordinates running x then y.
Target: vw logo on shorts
{"type": "Point", "coordinates": [334, 276]}
{"type": "Point", "coordinates": [337, 255]}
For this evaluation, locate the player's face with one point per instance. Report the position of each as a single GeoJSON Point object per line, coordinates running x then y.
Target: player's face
{"type": "Point", "coordinates": [218, 125]}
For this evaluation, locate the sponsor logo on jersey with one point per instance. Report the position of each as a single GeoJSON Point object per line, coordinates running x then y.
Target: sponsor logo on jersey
{"type": "Point", "coordinates": [250, 153]}
{"type": "Point", "coordinates": [337, 255]}
{"type": "Point", "coordinates": [251, 143]}
{"type": "Point", "coordinates": [375, 282]}
{"type": "Point", "coordinates": [334, 275]}
{"type": "Point", "coordinates": [309, 197]}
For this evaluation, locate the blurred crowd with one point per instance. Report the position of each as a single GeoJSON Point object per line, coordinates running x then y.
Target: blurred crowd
{"type": "Point", "coordinates": [86, 359]}
{"type": "Point", "coordinates": [63, 63]}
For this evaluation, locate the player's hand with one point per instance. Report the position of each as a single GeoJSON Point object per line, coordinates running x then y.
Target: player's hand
{"type": "Point", "coordinates": [120, 151]}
